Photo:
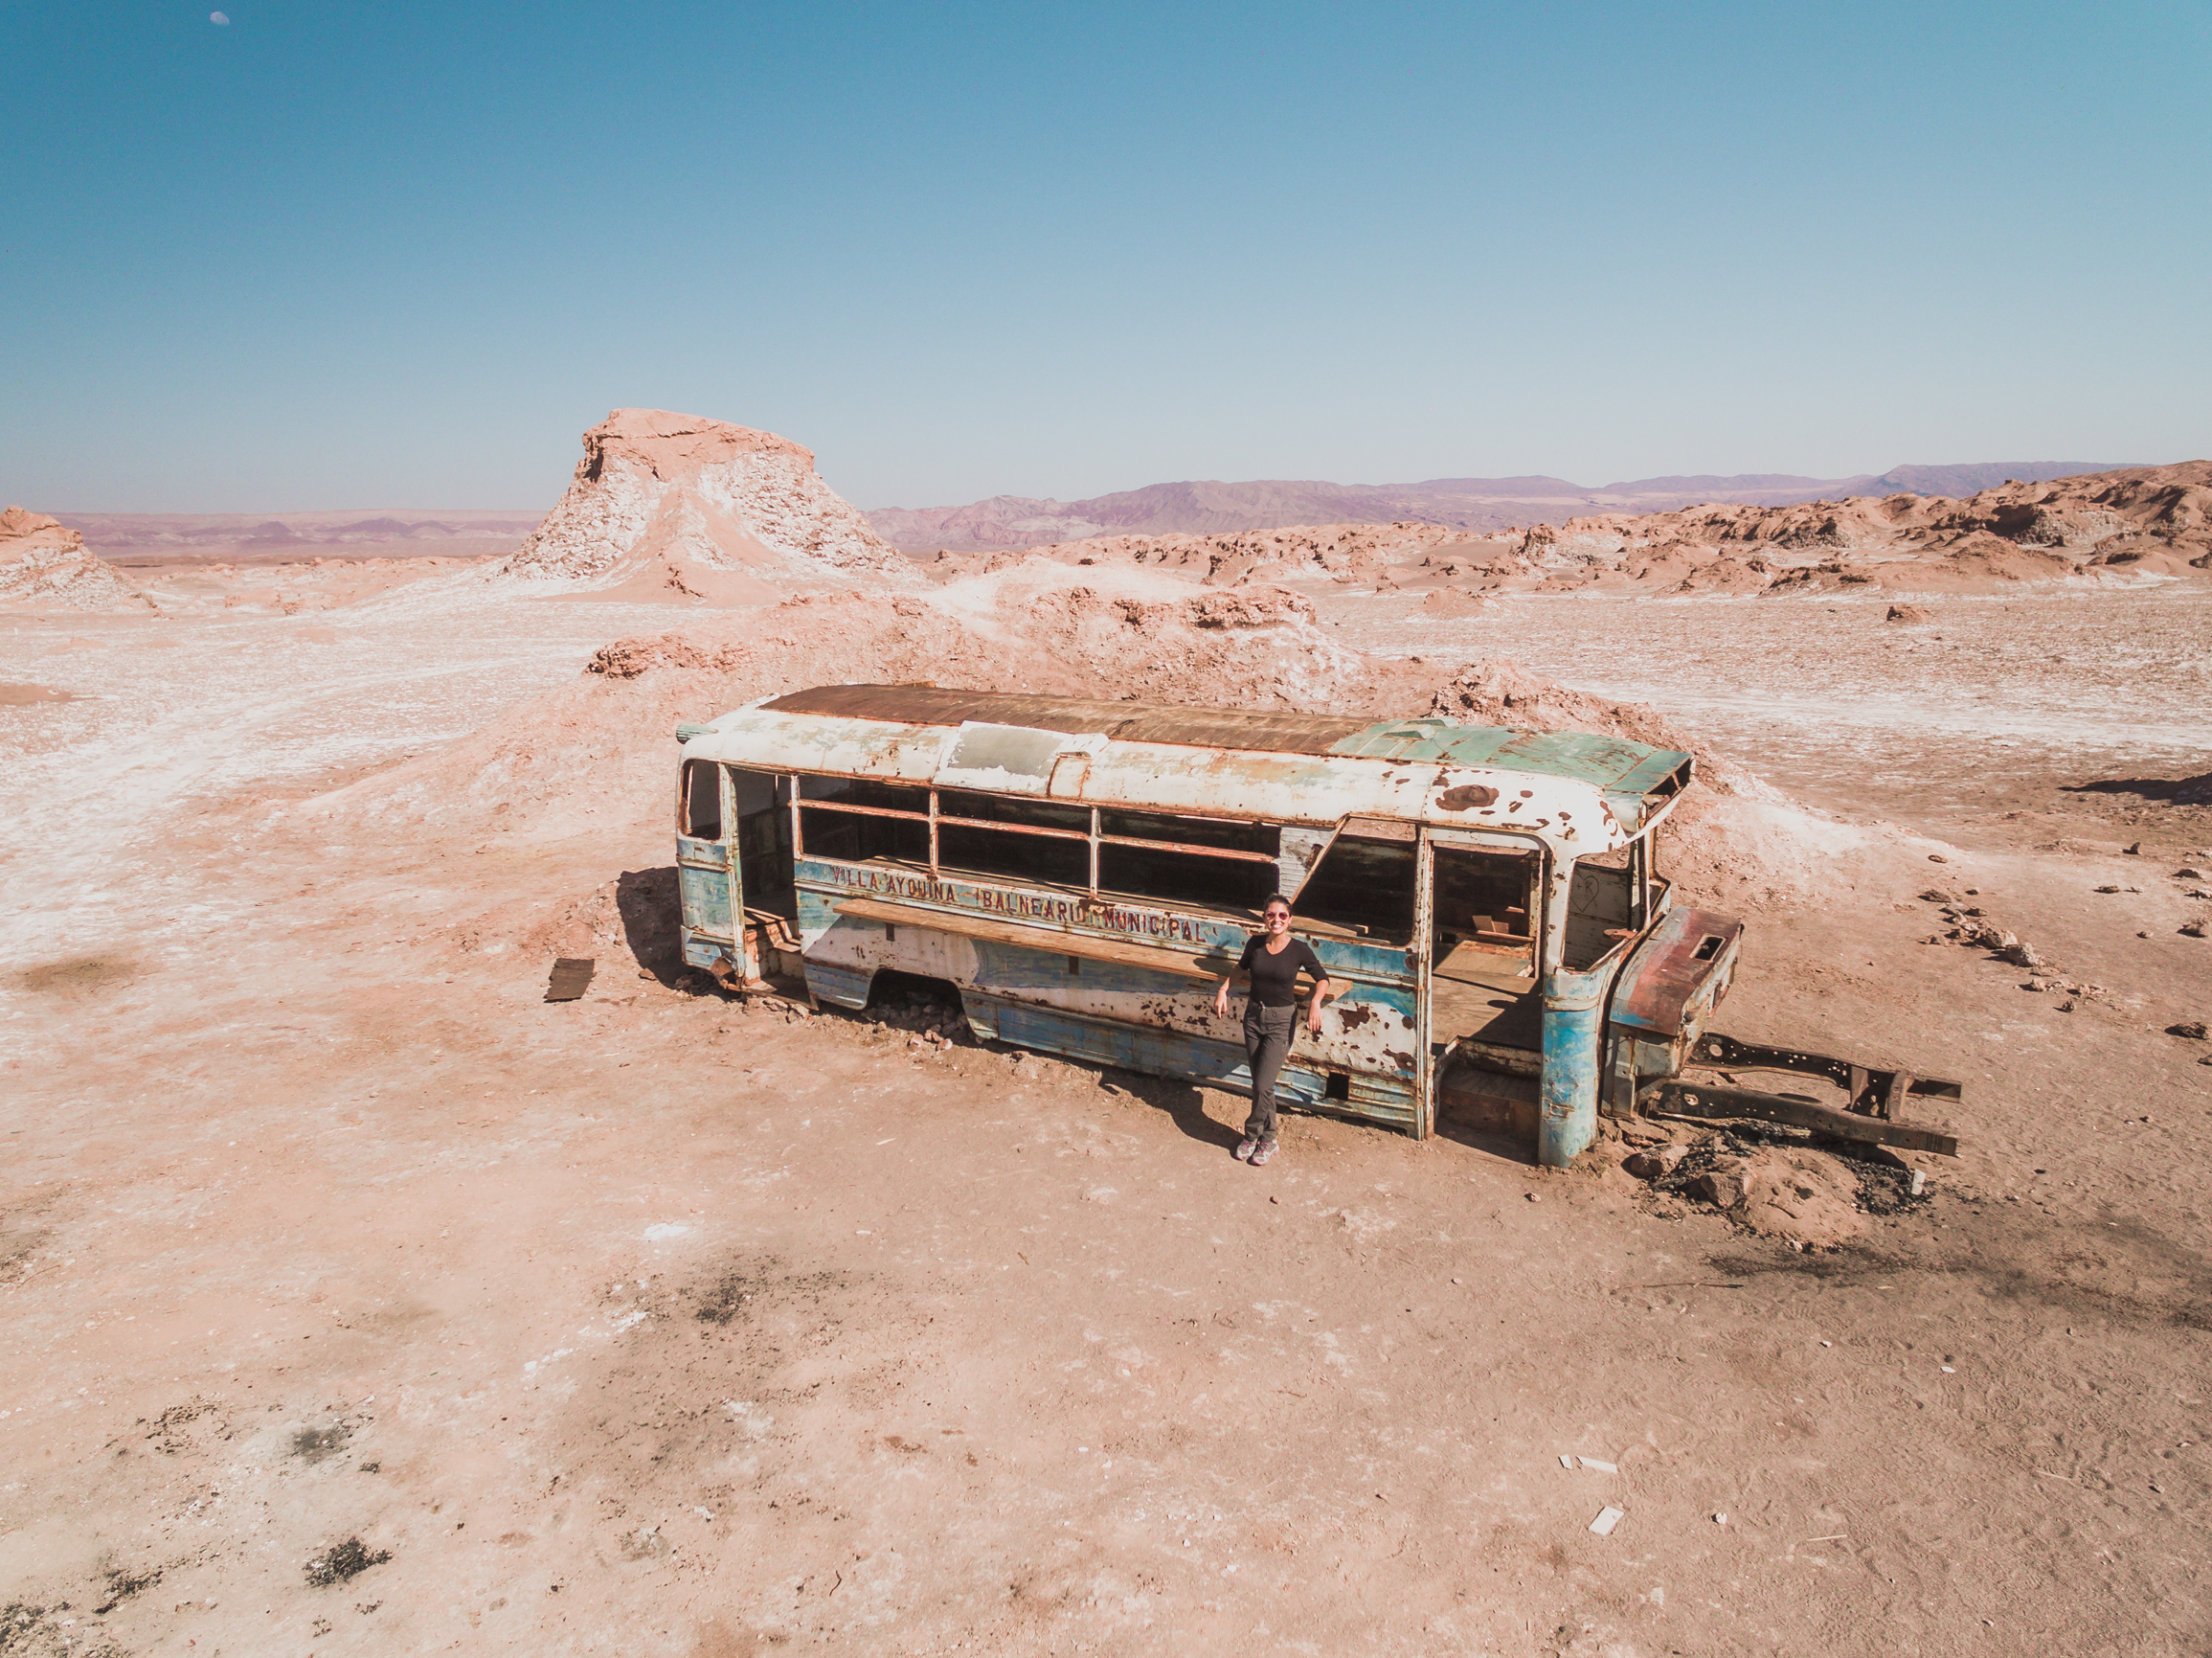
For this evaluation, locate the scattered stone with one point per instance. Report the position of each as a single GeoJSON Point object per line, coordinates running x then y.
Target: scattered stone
{"type": "Point", "coordinates": [1937, 896]}
{"type": "Point", "coordinates": [1937, 858]}
{"type": "Point", "coordinates": [2107, 889]}
{"type": "Point", "coordinates": [2135, 850]}
{"type": "Point", "coordinates": [2193, 930]}
{"type": "Point", "coordinates": [1652, 1165]}
{"type": "Point", "coordinates": [1722, 1188]}
{"type": "Point", "coordinates": [2186, 874]}
{"type": "Point", "coordinates": [344, 1561]}
{"type": "Point", "coordinates": [2195, 1030]}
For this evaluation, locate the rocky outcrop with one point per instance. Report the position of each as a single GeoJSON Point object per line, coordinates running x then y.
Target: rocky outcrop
{"type": "Point", "coordinates": [675, 505]}
{"type": "Point", "coordinates": [43, 564]}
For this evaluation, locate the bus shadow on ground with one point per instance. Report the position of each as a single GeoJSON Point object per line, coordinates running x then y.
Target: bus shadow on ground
{"type": "Point", "coordinates": [1182, 1103]}
{"type": "Point", "coordinates": [1488, 1138]}
{"type": "Point", "coordinates": [645, 900]}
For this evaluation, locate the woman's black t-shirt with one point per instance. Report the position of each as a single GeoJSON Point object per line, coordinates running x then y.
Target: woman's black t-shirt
{"type": "Point", "coordinates": [1275, 977]}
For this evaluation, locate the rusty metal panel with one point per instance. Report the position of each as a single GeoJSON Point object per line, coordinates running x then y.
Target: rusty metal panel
{"type": "Point", "coordinates": [1125, 721]}
{"type": "Point", "coordinates": [1677, 971]}
{"type": "Point", "coordinates": [1380, 829]}
{"type": "Point", "coordinates": [569, 979]}
{"type": "Point", "coordinates": [705, 901]}
{"type": "Point", "coordinates": [1119, 984]}
{"type": "Point", "coordinates": [1281, 787]}
{"type": "Point", "coordinates": [1681, 1099]}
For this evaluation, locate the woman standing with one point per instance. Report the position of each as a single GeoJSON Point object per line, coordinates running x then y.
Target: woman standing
{"type": "Point", "coordinates": [1273, 960]}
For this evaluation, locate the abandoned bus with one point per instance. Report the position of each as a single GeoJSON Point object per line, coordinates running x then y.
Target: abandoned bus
{"type": "Point", "coordinates": [1082, 873]}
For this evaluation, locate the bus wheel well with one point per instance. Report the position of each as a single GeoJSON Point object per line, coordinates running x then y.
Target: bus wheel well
{"type": "Point", "coordinates": [892, 994]}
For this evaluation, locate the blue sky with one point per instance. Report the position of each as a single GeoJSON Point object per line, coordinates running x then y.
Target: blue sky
{"type": "Point", "coordinates": [402, 255]}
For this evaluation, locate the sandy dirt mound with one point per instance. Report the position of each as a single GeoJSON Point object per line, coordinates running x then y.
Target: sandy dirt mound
{"type": "Point", "coordinates": [1358, 553]}
{"type": "Point", "coordinates": [44, 566]}
{"type": "Point", "coordinates": [2015, 533]}
{"type": "Point", "coordinates": [604, 744]}
{"type": "Point", "coordinates": [1810, 1199]}
{"type": "Point", "coordinates": [600, 752]}
{"type": "Point", "coordinates": [677, 506]}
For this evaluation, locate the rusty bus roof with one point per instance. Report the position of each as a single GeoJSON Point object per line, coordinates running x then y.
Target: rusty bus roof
{"type": "Point", "coordinates": [1079, 717]}
{"type": "Point", "coordinates": [1580, 791]}
{"type": "Point", "coordinates": [1611, 765]}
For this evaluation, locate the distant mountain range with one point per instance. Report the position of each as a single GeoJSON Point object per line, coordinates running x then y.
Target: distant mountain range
{"type": "Point", "coordinates": [1472, 504]}
{"type": "Point", "coordinates": [264, 538]}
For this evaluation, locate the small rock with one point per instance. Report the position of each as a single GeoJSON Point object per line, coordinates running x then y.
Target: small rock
{"type": "Point", "coordinates": [1718, 1187]}
{"type": "Point", "coordinates": [2193, 930]}
{"type": "Point", "coordinates": [1937, 858]}
{"type": "Point", "coordinates": [2107, 889]}
{"type": "Point", "coordinates": [1907, 613]}
{"type": "Point", "coordinates": [1653, 1164]}
{"type": "Point", "coordinates": [2194, 1029]}
{"type": "Point", "coordinates": [1937, 896]}
{"type": "Point", "coordinates": [2135, 850]}
{"type": "Point", "coordinates": [2188, 874]}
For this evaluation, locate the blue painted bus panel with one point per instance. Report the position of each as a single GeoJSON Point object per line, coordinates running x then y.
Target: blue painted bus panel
{"type": "Point", "coordinates": [1172, 1053]}
{"type": "Point", "coordinates": [1138, 1017]}
{"type": "Point", "coordinates": [701, 952]}
{"type": "Point", "coordinates": [839, 985]}
{"type": "Point", "coordinates": [705, 900]}
{"type": "Point", "coordinates": [1010, 967]}
{"type": "Point", "coordinates": [1359, 959]}
{"type": "Point", "coordinates": [712, 854]}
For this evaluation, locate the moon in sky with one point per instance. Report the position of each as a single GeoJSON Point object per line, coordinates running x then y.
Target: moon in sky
{"type": "Point", "coordinates": [218, 20]}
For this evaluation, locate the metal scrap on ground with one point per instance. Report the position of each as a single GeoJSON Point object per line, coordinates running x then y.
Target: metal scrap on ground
{"type": "Point", "coordinates": [571, 977]}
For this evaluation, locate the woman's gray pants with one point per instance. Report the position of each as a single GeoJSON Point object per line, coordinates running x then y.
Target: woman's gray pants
{"type": "Point", "coordinates": [1267, 1044]}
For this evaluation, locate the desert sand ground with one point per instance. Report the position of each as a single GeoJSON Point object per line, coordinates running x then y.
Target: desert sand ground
{"type": "Point", "coordinates": [356, 1302]}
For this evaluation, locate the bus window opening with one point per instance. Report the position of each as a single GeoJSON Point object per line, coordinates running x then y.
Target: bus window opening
{"type": "Point", "coordinates": [857, 835]}
{"type": "Point", "coordinates": [1363, 886]}
{"type": "Point", "coordinates": [1181, 873]}
{"type": "Point", "coordinates": [702, 810]}
{"type": "Point", "coordinates": [973, 842]}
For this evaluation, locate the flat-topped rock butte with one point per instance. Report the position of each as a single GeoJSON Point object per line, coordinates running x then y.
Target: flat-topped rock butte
{"type": "Point", "coordinates": [360, 1299]}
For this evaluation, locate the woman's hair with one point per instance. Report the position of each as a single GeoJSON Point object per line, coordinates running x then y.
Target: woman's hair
{"type": "Point", "coordinates": [1278, 898]}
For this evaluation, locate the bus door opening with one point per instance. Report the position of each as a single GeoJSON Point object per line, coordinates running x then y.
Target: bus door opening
{"type": "Point", "coordinates": [1483, 987]}
{"type": "Point", "coordinates": [763, 804]}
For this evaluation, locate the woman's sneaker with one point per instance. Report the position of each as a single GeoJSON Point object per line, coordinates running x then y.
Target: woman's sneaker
{"type": "Point", "coordinates": [1245, 1150]}
{"type": "Point", "coordinates": [1265, 1151]}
